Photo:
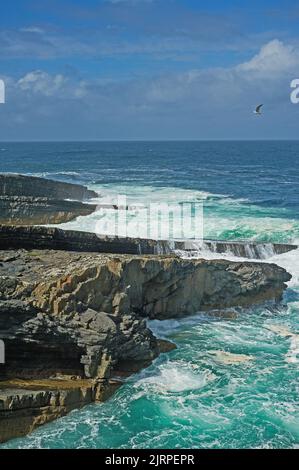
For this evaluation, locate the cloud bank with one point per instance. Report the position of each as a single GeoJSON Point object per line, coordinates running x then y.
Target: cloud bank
{"type": "Point", "coordinates": [196, 103]}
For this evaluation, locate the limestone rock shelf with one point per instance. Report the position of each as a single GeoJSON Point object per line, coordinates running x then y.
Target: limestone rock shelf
{"type": "Point", "coordinates": [32, 237]}
{"type": "Point", "coordinates": [82, 315]}
{"type": "Point", "coordinates": [76, 306]}
{"type": "Point", "coordinates": [22, 210]}
{"type": "Point", "coordinates": [28, 200]}
{"type": "Point", "coordinates": [24, 185]}
{"type": "Point", "coordinates": [26, 404]}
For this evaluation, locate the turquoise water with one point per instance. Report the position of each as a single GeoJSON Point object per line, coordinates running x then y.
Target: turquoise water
{"type": "Point", "coordinates": [232, 382]}
{"type": "Point", "coordinates": [192, 398]}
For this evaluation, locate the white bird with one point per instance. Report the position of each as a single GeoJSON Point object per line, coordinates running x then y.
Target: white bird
{"type": "Point", "coordinates": [258, 109]}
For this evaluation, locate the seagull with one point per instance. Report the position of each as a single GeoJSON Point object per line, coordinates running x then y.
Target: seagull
{"type": "Point", "coordinates": [258, 109]}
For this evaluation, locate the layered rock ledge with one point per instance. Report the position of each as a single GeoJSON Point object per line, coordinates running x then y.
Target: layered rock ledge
{"type": "Point", "coordinates": [32, 237]}
{"type": "Point", "coordinates": [22, 210]}
{"type": "Point", "coordinates": [74, 322]}
{"type": "Point", "coordinates": [28, 200]}
{"type": "Point", "coordinates": [23, 185]}
{"type": "Point", "coordinates": [26, 404]}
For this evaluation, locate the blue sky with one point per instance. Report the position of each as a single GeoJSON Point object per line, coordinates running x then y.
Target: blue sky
{"type": "Point", "coordinates": [148, 69]}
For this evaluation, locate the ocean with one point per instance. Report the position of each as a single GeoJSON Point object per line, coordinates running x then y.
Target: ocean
{"type": "Point", "coordinates": [232, 382]}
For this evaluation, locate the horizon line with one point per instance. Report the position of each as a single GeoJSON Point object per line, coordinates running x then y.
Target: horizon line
{"type": "Point", "coordinates": [144, 140]}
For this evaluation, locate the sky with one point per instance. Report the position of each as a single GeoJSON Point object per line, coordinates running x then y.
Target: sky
{"type": "Point", "coordinates": [148, 69]}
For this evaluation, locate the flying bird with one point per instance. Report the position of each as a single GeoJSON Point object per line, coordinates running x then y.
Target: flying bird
{"type": "Point", "coordinates": [258, 109]}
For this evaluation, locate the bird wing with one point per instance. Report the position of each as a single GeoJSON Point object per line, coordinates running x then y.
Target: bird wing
{"type": "Point", "coordinates": [258, 108]}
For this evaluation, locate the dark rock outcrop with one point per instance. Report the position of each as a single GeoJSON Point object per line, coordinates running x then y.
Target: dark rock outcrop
{"type": "Point", "coordinates": [52, 238]}
{"type": "Point", "coordinates": [28, 200]}
{"type": "Point", "coordinates": [22, 210]}
{"type": "Point", "coordinates": [73, 240]}
{"type": "Point", "coordinates": [23, 185]}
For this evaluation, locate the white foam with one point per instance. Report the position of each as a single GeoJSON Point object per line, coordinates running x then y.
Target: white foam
{"type": "Point", "coordinates": [216, 224]}
{"type": "Point", "coordinates": [292, 355]}
{"type": "Point", "coordinates": [161, 328]}
{"type": "Point", "coordinates": [177, 376]}
{"type": "Point", "coordinates": [104, 219]}
{"type": "Point", "coordinates": [290, 262]}
{"type": "Point", "coordinates": [45, 174]}
{"type": "Point", "coordinates": [148, 194]}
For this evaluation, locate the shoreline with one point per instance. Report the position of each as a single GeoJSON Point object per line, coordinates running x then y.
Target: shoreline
{"type": "Point", "coordinates": [73, 310]}
{"type": "Point", "coordinates": [82, 321]}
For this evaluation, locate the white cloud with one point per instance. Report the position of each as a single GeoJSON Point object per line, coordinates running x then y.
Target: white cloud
{"type": "Point", "coordinates": [41, 82]}
{"type": "Point", "coordinates": [56, 86]}
{"type": "Point", "coordinates": [214, 87]}
{"type": "Point", "coordinates": [274, 57]}
{"type": "Point", "coordinates": [32, 29]}
{"type": "Point", "coordinates": [194, 103]}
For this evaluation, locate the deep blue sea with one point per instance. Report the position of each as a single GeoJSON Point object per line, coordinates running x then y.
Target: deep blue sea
{"type": "Point", "coordinates": [231, 383]}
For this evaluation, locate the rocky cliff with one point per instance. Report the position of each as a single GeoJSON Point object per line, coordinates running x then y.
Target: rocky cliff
{"type": "Point", "coordinates": [22, 210]}
{"type": "Point", "coordinates": [23, 185]}
{"type": "Point", "coordinates": [27, 200]}
{"type": "Point", "coordinates": [74, 307]}
{"type": "Point", "coordinates": [82, 315]}
{"type": "Point", "coordinates": [73, 318]}
{"type": "Point", "coordinates": [24, 405]}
